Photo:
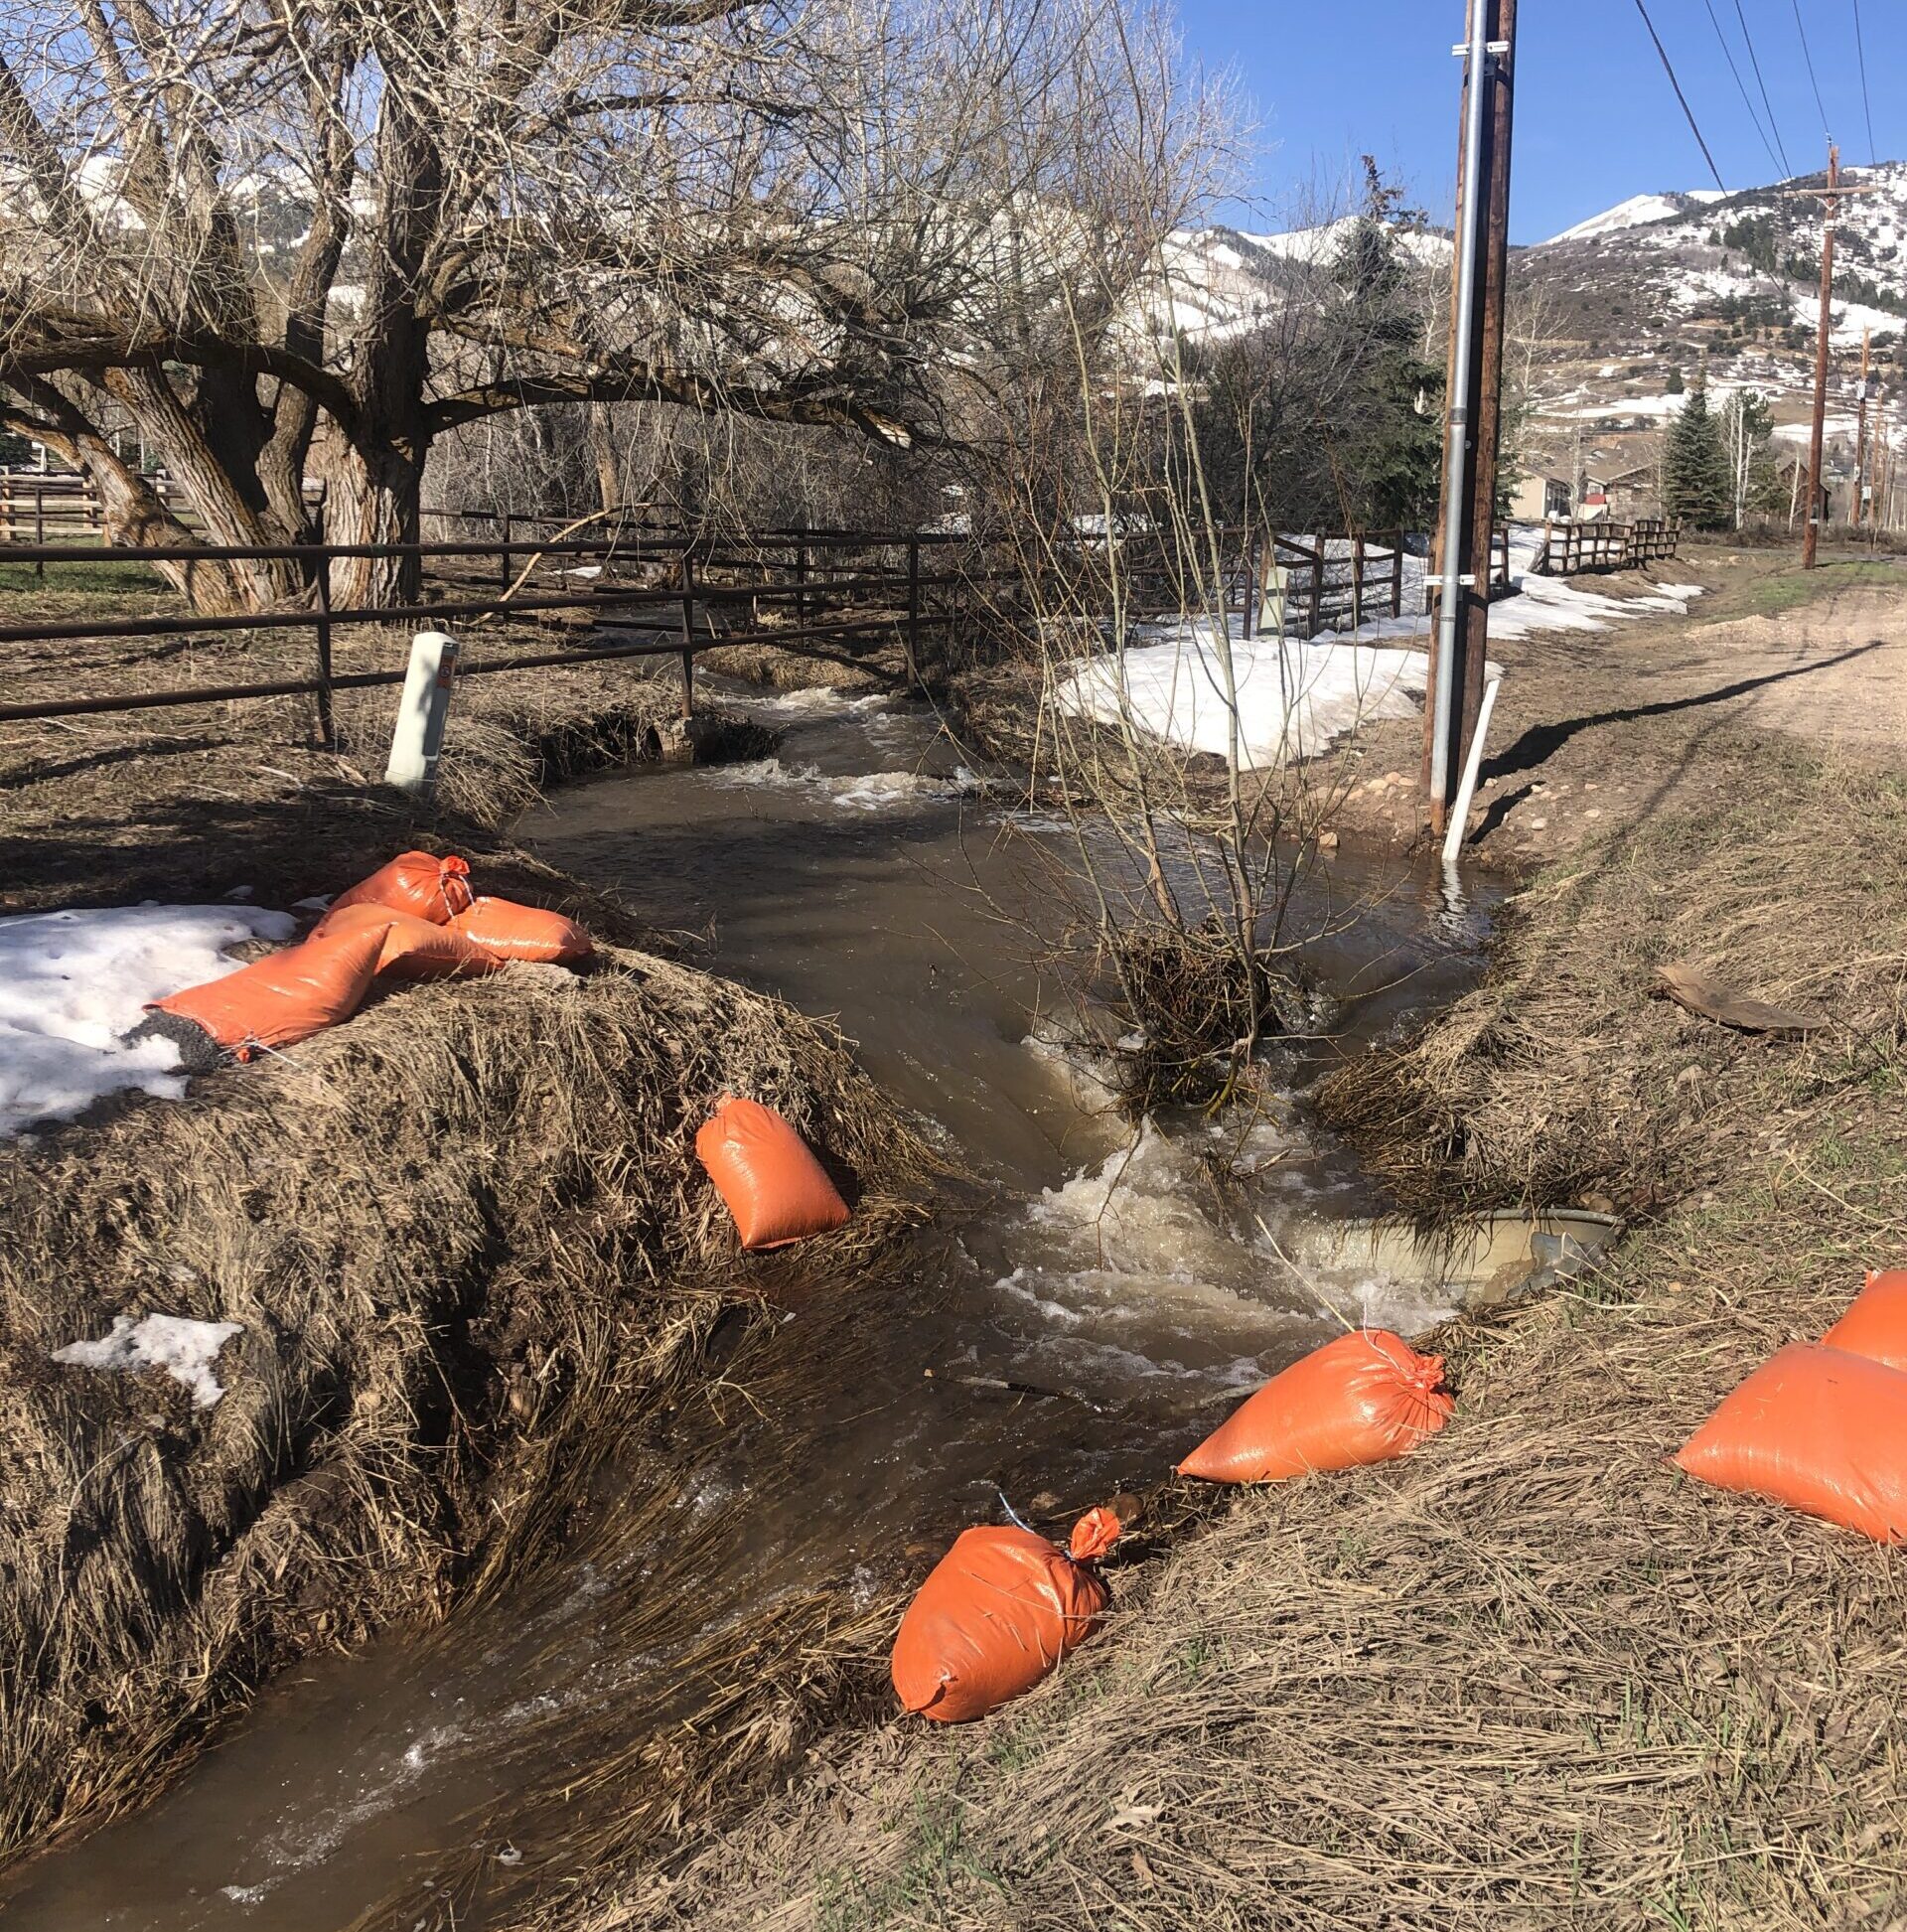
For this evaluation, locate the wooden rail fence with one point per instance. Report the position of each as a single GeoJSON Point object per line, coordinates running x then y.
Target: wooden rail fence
{"type": "Point", "coordinates": [1573, 547]}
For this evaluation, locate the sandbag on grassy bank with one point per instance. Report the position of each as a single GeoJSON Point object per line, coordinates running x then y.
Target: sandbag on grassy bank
{"type": "Point", "coordinates": [1531, 1675]}
{"type": "Point", "coordinates": [458, 1235]}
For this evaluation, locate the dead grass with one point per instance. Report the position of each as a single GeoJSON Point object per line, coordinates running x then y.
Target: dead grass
{"type": "Point", "coordinates": [1531, 1676]}
{"type": "Point", "coordinates": [200, 799]}
{"type": "Point", "coordinates": [464, 1234]}
{"type": "Point", "coordinates": [459, 1232]}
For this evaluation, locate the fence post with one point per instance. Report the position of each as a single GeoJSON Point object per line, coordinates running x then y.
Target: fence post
{"type": "Point", "coordinates": [420, 737]}
{"type": "Point", "coordinates": [502, 559]}
{"type": "Point", "coordinates": [689, 635]}
{"type": "Point", "coordinates": [40, 526]}
{"type": "Point", "coordinates": [800, 586]}
{"type": "Point", "coordinates": [1250, 626]}
{"type": "Point", "coordinates": [914, 609]}
{"type": "Point", "coordinates": [327, 724]}
{"type": "Point", "coordinates": [1357, 581]}
{"type": "Point", "coordinates": [1317, 591]}
{"type": "Point", "coordinates": [1396, 573]}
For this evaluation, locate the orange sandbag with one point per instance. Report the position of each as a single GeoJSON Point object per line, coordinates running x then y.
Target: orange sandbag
{"type": "Point", "coordinates": [413, 949]}
{"type": "Point", "coordinates": [1364, 1398]}
{"type": "Point", "coordinates": [286, 997]}
{"type": "Point", "coordinates": [1819, 1429]}
{"type": "Point", "coordinates": [1876, 1324]}
{"type": "Point", "coordinates": [775, 1188]}
{"type": "Point", "coordinates": [419, 883]}
{"type": "Point", "coordinates": [996, 1614]}
{"type": "Point", "coordinates": [514, 932]}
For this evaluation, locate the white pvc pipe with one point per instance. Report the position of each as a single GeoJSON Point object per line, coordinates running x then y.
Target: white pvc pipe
{"type": "Point", "coordinates": [1460, 812]}
{"type": "Point", "coordinates": [1450, 594]}
{"type": "Point", "coordinates": [421, 711]}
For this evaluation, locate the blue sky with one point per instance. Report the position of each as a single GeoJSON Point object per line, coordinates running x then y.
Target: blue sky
{"type": "Point", "coordinates": [1596, 121]}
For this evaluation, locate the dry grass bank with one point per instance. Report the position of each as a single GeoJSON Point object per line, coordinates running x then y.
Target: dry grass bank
{"type": "Point", "coordinates": [458, 1232]}
{"type": "Point", "coordinates": [199, 799]}
{"type": "Point", "coordinates": [464, 1234]}
{"type": "Point", "coordinates": [1531, 1676]}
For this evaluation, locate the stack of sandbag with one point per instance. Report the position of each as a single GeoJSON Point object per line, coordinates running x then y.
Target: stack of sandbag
{"type": "Point", "coordinates": [1822, 1427]}
{"type": "Point", "coordinates": [996, 1615]}
{"type": "Point", "coordinates": [1366, 1397]}
{"type": "Point", "coordinates": [767, 1174]}
{"type": "Point", "coordinates": [417, 918]}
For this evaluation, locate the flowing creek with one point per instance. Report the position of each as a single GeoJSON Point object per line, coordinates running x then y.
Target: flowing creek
{"type": "Point", "coordinates": [860, 874]}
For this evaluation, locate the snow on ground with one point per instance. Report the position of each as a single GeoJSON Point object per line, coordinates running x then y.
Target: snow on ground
{"type": "Point", "coordinates": [1295, 697]}
{"type": "Point", "coordinates": [185, 1349]}
{"type": "Point", "coordinates": [1549, 604]}
{"type": "Point", "coordinates": [71, 982]}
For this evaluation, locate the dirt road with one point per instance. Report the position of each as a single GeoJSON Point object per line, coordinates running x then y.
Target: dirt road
{"type": "Point", "coordinates": [1598, 729]}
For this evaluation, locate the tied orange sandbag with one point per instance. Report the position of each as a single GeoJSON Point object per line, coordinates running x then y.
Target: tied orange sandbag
{"type": "Point", "coordinates": [1876, 1324]}
{"type": "Point", "coordinates": [413, 949]}
{"type": "Point", "coordinates": [285, 997]}
{"type": "Point", "coordinates": [1364, 1398]}
{"type": "Point", "coordinates": [774, 1186]}
{"type": "Point", "coordinates": [514, 932]}
{"type": "Point", "coordinates": [996, 1614]}
{"type": "Point", "coordinates": [1819, 1429]}
{"type": "Point", "coordinates": [419, 883]}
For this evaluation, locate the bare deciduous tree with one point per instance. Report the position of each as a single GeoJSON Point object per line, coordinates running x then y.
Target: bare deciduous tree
{"type": "Point", "coordinates": [286, 237]}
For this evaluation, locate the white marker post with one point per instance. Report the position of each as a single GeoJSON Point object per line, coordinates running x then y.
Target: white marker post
{"type": "Point", "coordinates": [421, 714]}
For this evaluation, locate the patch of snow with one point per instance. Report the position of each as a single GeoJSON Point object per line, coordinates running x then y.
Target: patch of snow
{"type": "Point", "coordinates": [183, 1348]}
{"type": "Point", "coordinates": [1293, 698]}
{"type": "Point", "coordinates": [73, 982]}
{"type": "Point", "coordinates": [1549, 604]}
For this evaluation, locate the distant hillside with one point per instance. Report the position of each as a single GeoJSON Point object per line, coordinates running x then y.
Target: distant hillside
{"type": "Point", "coordinates": [1629, 304]}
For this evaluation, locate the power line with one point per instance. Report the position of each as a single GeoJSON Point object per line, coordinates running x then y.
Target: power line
{"type": "Point", "coordinates": [1669, 71]}
{"type": "Point", "coordinates": [1740, 85]}
{"type": "Point", "coordinates": [1866, 105]}
{"type": "Point", "coordinates": [1754, 61]}
{"type": "Point", "coordinates": [1810, 58]}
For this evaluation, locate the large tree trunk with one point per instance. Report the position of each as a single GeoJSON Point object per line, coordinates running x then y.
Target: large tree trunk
{"type": "Point", "coordinates": [373, 495]}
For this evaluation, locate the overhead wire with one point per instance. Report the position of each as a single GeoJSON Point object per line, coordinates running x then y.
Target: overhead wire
{"type": "Point", "coordinates": [1741, 86]}
{"type": "Point", "coordinates": [1867, 104]}
{"type": "Point", "coordinates": [1774, 126]}
{"type": "Point", "coordinates": [1807, 56]}
{"type": "Point", "coordinates": [1667, 68]}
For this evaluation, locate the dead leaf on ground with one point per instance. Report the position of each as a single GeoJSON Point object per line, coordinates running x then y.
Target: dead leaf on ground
{"type": "Point", "coordinates": [1708, 1000]}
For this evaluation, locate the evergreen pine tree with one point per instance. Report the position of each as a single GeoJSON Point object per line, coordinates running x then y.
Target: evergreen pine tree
{"type": "Point", "coordinates": [1387, 433]}
{"type": "Point", "coordinates": [1696, 485]}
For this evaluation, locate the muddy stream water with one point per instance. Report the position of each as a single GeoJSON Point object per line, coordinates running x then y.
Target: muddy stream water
{"type": "Point", "coordinates": [861, 874]}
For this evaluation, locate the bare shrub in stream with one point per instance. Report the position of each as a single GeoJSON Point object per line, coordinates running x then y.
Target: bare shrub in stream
{"type": "Point", "coordinates": [1186, 740]}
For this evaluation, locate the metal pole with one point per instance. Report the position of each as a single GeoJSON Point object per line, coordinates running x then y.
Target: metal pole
{"type": "Point", "coordinates": [689, 635]}
{"type": "Point", "coordinates": [914, 609]}
{"type": "Point", "coordinates": [327, 724]}
{"type": "Point", "coordinates": [1457, 424]}
{"type": "Point", "coordinates": [1810, 530]}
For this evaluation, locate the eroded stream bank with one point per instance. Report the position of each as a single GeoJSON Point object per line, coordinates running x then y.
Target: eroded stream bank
{"type": "Point", "coordinates": [860, 874]}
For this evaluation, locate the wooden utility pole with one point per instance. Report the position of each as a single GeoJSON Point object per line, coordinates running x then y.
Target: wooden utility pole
{"type": "Point", "coordinates": [1860, 429]}
{"type": "Point", "coordinates": [1479, 274]}
{"type": "Point", "coordinates": [1831, 200]}
{"type": "Point", "coordinates": [1810, 530]}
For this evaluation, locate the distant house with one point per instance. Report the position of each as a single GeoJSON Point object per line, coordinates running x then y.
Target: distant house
{"type": "Point", "coordinates": [1624, 495]}
{"type": "Point", "coordinates": [1539, 498]}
